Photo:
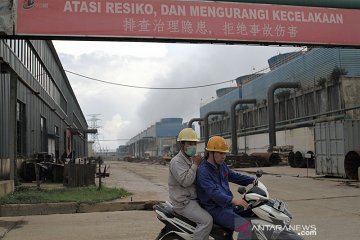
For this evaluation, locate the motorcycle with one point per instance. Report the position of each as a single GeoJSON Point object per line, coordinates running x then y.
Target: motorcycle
{"type": "Point", "coordinates": [269, 218]}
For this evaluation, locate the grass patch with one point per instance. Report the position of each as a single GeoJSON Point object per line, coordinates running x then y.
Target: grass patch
{"type": "Point", "coordinates": [24, 195]}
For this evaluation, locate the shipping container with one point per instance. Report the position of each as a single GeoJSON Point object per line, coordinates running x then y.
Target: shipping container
{"type": "Point", "coordinates": [333, 141]}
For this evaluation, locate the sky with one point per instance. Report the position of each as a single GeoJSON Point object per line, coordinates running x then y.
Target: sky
{"type": "Point", "coordinates": [125, 112]}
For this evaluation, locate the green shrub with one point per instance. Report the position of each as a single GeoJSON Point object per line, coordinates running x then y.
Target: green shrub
{"type": "Point", "coordinates": [26, 195]}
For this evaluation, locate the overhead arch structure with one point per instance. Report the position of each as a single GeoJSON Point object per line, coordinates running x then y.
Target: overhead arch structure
{"type": "Point", "coordinates": [347, 4]}
{"type": "Point", "coordinates": [232, 22]}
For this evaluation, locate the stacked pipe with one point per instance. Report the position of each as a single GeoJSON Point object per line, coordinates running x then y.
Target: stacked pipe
{"type": "Point", "coordinates": [265, 159]}
{"type": "Point", "coordinates": [297, 160]}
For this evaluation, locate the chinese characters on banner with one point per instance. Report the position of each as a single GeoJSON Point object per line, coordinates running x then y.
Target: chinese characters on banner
{"type": "Point", "coordinates": [192, 20]}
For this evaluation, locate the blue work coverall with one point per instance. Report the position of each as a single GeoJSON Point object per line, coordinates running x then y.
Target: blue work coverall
{"type": "Point", "coordinates": [213, 191]}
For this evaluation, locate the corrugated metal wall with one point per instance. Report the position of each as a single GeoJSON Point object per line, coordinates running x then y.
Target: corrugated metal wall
{"type": "Point", "coordinates": [149, 132]}
{"type": "Point", "coordinates": [222, 103]}
{"type": "Point", "coordinates": [151, 139]}
{"type": "Point", "coordinates": [35, 108]}
{"type": "Point", "coordinates": [56, 70]}
{"type": "Point", "coordinates": [168, 129]}
{"type": "Point", "coordinates": [295, 108]}
{"type": "Point", "coordinates": [349, 59]}
{"type": "Point", "coordinates": [38, 102]}
{"type": "Point", "coordinates": [333, 141]}
{"type": "Point", "coordinates": [307, 69]}
{"type": "Point", "coordinates": [4, 117]}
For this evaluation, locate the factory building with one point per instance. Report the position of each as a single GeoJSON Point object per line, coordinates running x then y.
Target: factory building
{"type": "Point", "coordinates": [159, 140]}
{"type": "Point", "coordinates": [39, 111]}
{"type": "Point", "coordinates": [329, 81]}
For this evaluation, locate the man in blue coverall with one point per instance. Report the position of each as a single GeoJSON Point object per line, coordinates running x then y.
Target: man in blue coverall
{"type": "Point", "coordinates": [212, 185]}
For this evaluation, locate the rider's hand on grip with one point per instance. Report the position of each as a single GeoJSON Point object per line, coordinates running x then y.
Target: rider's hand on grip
{"type": "Point", "coordinates": [240, 202]}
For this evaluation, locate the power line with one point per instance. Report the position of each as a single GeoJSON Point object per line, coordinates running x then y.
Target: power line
{"type": "Point", "coordinates": [149, 88]}
{"type": "Point", "coordinates": [113, 140]}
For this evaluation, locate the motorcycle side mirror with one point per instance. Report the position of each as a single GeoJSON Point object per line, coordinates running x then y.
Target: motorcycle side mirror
{"type": "Point", "coordinates": [241, 190]}
{"type": "Point", "coordinates": [259, 173]}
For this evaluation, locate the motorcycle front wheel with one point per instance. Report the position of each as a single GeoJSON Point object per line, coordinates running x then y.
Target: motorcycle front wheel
{"type": "Point", "coordinates": [172, 237]}
{"type": "Point", "coordinates": [163, 235]}
{"type": "Point", "coordinates": [289, 236]}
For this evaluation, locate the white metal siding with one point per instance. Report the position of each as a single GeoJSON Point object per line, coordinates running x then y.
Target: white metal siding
{"type": "Point", "coordinates": [333, 141]}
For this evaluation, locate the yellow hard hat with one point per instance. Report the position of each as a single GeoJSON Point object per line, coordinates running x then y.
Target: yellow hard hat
{"type": "Point", "coordinates": [188, 135]}
{"type": "Point", "coordinates": [217, 144]}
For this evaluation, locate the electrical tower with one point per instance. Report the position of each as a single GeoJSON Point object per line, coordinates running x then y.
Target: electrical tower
{"type": "Point", "coordinates": [93, 124]}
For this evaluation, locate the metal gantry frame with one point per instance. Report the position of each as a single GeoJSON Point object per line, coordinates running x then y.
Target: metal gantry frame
{"type": "Point", "coordinates": [234, 149]}
{"type": "Point", "coordinates": [271, 109]}
{"type": "Point", "coordinates": [206, 122]}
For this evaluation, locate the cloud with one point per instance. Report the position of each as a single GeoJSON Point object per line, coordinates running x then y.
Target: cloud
{"type": "Point", "coordinates": [203, 65]}
{"type": "Point", "coordinates": [126, 112]}
{"type": "Point", "coordinates": [114, 128]}
{"type": "Point", "coordinates": [79, 48]}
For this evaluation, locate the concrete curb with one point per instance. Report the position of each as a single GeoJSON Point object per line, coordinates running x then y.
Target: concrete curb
{"type": "Point", "coordinates": [11, 210]}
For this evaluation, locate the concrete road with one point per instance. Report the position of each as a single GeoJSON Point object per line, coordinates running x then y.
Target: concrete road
{"type": "Point", "coordinates": [136, 225]}
{"type": "Point", "coordinates": [146, 182]}
{"type": "Point", "coordinates": [331, 205]}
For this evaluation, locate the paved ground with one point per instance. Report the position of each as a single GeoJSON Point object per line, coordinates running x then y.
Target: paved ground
{"type": "Point", "coordinates": [146, 182]}
{"type": "Point", "coordinates": [332, 205]}
{"type": "Point", "coordinates": [136, 225]}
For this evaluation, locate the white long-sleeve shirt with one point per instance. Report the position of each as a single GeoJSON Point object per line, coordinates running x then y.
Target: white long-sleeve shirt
{"type": "Point", "coordinates": [181, 182]}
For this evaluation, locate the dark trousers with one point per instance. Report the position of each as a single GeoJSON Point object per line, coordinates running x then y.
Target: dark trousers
{"type": "Point", "coordinates": [228, 218]}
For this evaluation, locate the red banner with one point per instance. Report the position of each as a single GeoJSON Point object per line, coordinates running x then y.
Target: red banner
{"type": "Point", "coordinates": [189, 20]}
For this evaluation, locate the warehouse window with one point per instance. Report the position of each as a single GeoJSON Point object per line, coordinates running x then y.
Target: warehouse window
{"type": "Point", "coordinates": [21, 129]}
{"type": "Point", "coordinates": [27, 55]}
{"type": "Point", "coordinates": [57, 131]}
